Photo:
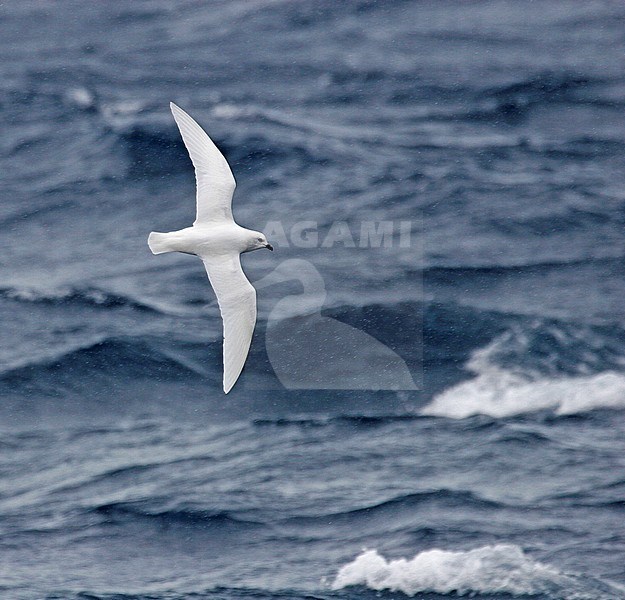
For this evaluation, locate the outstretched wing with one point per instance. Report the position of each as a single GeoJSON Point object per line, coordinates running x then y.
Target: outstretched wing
{"type": "Point", "coordinates": [215, 182]}
{"type": "Point", "coordinates": [237, 303]}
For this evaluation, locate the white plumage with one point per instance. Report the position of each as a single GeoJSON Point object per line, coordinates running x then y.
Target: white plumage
{"type": "Point", "coordinates": [218, 241]}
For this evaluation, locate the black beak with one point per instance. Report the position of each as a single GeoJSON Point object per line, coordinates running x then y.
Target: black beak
{"type": "Point", "coordinates": [269, 247]}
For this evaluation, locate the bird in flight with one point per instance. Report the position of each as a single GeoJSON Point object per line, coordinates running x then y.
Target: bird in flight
{"type": "Point", "coordinates": [218, 240]}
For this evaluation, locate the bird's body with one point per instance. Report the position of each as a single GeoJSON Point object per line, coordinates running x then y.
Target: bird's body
{"type": "Point", "coordinates": [218, 240]}
{"type": "Point", "coordinates": [202, 239]}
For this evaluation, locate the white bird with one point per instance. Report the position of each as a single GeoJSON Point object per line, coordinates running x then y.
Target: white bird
{"type": "Point", "coordinates": [218, 240]}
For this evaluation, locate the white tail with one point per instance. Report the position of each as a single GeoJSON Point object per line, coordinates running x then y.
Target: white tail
{"type": "Point", "coordinates": [159, 243]}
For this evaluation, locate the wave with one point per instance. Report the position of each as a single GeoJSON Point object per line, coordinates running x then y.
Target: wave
{"type": "Point", "coordinates": [160, 151]}
{"type": "Point", "coordinates": [153, 152]}
{"type": "Point", "coordinates": [543, 85]}
{"type": "Point", "coordinates": [289, 422]}
{"type": "Point", "coordinates": [516, 363]}
{"type": "Point", "coordinates": [115, 359]}
{"type": "Point", "coordinates": [70, 295]}
{"type": "Point", "coordinates": [511, 102]}
{"type": "Point", "coordinates": [449, 498]}
{"type": "Point", "coordinates": [608, 496]}
{"type": "Point", "coordinates": [95, 297]}
{"type": "Point", "coordinates": [132, 471]}
{"type": "Point", "coordinates": [100, 364]}
{"type": "Point", "coordinates": [404, 508]}
{"type": "Point", "coordinates": [352, 420]}
{"type": "Point", "coordinates": [459, 270]}
{"type": "Point", "coordinates": [220, 592]}
{"type": "Point", "coordinates": [516, 388]}
{"type": "Point", "coordinates": [578, 147]}
{"type": "Point", "coordinates": [35, 209]}
{"type": "Point", "coordinates": [573, 147]}
{"type": "Point", "coordinates": [499, 569]}
{"type": "Point", "coordinates": [530, 345]}
{"type": "Point", "coordinates": [124, 512]}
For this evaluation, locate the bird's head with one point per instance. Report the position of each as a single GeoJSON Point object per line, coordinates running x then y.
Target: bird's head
{"type": "Point", "coordinates": [258, 241]}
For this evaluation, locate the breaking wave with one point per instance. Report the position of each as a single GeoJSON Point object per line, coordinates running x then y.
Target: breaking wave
{"type": "Point", "coordinates": [503, 391]}
{"type": "Point", "coordinates": [495, 569]}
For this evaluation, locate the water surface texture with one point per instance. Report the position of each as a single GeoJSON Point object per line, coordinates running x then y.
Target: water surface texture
{"type": "Point", "coordinates": [495, 129]}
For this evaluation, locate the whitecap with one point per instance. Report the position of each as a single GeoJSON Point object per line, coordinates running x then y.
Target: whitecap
{"type": "Point", "coordinates": [499, 392]}
{"type": "Point", "coordinates": [230, 111]}
{"type": "Point", "coordinates": [502, 568]}
{"type": "Point", "coordinates": [80, 97]}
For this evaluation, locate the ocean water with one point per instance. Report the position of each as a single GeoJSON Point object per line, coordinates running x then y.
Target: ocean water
{"type": "Point", "coordinates": [485, 458]}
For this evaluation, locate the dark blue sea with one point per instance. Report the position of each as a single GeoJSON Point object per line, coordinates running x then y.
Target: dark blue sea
{"type": "Point", "coordinates": [485, 458]}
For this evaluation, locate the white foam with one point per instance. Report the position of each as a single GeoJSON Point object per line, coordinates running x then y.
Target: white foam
{"type": "Point", "coordinates": [230, 111]}
{"type": "Point", "coordinates": [80, 97]}
{"type": "Point", "coordinates": [490, 569]}
{"type": "Point", "coordinates": [122, 114]}
{"type": "Point", "coordinates": [497, 392]}
{"type": "Point", "coordinates": [31, 294]}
